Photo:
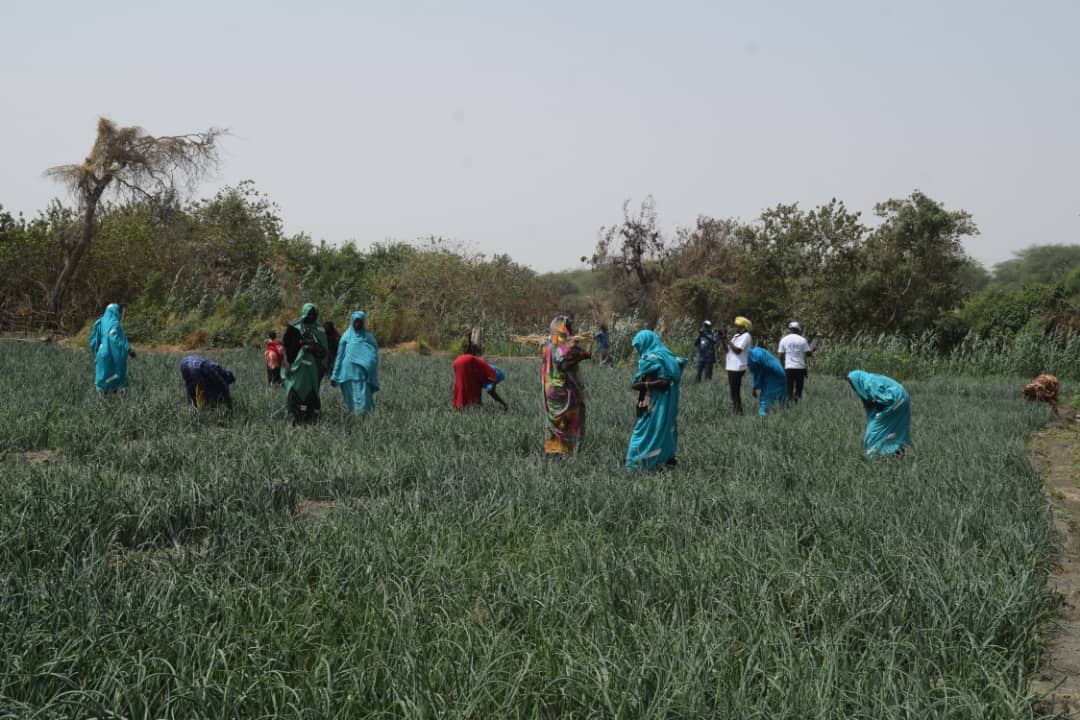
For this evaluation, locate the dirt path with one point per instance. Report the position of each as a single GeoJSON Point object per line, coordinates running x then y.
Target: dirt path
{"type": "Point", "coordinates": [1055, 452]}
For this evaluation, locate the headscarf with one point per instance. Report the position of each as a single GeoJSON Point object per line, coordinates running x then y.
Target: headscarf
{"type": "Point", "coordinates": [560, 343]}
{"type": "Point", "coordinates": [881, 390]}
{"type": "Point", "coordinates": [104, 325]}
{"type": "Point", "coordinates": [360, 349]}
{"type": "Point", "coordinates": [110, 345]}
{"type": "Point", "coordinates": [655, 357]}
{"type": "Point", "coordinates": [306, 371]}
{"type": "Point", "coordinates": [743, 322]}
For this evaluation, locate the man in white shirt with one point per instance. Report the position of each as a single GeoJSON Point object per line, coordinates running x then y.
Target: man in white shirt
{"type": "Point", "coordinates": [738, 354]}
{"type": "Point", "coordinates": [793, 351]}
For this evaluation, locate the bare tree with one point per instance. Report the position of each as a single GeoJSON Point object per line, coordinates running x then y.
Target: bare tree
{"type": "Point", "coordinates": [129, 163]}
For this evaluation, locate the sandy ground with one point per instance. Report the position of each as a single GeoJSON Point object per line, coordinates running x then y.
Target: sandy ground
{"type": "Point", "coordinates": [1055, 453]}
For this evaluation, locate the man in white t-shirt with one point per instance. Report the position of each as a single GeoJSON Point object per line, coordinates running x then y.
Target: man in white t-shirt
{"type": "Point", "coordinates": [793, 351]}
{"type": "Point", "coordinates": [738, 354]}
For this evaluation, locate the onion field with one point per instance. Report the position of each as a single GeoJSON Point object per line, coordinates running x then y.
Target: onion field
{"type": "Point", "coordinates": [426, 563]}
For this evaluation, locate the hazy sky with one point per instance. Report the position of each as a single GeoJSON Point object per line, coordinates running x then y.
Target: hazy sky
{"type": "Point", "coordinates": [521, 127]}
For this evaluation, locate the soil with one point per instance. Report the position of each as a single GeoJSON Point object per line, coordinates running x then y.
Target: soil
{"type": "Point", "coordinates": [313, 510]}
{"type": "Point", "coordinates": [38, 457]}
{"type": "Point", "coordinates": [1055, 452]}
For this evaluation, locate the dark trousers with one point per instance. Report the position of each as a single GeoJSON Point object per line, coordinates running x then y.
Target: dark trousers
{"type": "Point", "coordinates": [734, 378]}
{"type": "Point", "coordinates": [795, 379]}
{"type": "Point", "coordinates": [273, 375]}
{"type": "Point", "coordinates": [706, 369]}
{"type": "Point", "coordinates": [306, 411]}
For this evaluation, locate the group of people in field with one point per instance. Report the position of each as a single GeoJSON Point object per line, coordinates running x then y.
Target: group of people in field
{"type": "Point", "coordinates": [310, 350]}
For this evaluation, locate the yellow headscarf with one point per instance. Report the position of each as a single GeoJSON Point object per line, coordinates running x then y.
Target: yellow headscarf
{"type": "Point", "coordinates": [744, 323]}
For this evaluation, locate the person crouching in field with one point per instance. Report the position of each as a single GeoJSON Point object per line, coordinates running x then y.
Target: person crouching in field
{"type": "Point", "coordinates": [111, 351]}
{"type": "Point", "coordinates": [473, 375]}
{"type": "Point", "coordinates": [304, 366]}
{"type": "Point", "coordinates": [356, 366]}
{"type": "Point", "coordinates": [1044, 389]}
{"type": "Point", "coordinates": [207, 382]}
{"type": "Point", "coordinates": [655, 437]}
{"type": "Point", "coordinates": [769, 383]}
{"type": "Point", "coordinates": [273, 354]}
{"type": "Point", "coordinates": [888, 413]}
{"type": "Point", "coordinates": [564, 396]}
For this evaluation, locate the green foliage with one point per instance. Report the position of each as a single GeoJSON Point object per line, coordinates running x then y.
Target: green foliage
{"type": "Point", "coordinates": [426, 562]}
{"type": "Point", "coordinates": [1037, 265]}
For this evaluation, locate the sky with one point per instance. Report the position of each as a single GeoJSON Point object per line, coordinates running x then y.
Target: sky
{"type": "Point", "coordinates": [522, 127]}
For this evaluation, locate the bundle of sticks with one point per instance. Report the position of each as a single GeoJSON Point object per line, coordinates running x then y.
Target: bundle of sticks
{"type": "Point", "coordinates": [537, 339]}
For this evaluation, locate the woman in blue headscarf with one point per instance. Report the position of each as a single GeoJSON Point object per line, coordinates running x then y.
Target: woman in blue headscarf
{"type": "Point", "coordinates": [769, 379]}
{"type": "Point", "coordinates": [111, 349]}
{"type": "Point", "coordinates": [356, 369]}
{"type": "Point", "coordinates": [888, 413]}
{"type": "Point", "coordinates": [656, 433]}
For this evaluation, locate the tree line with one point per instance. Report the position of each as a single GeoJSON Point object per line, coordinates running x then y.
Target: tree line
{"type": "Point", "coordinates": [221, 270]}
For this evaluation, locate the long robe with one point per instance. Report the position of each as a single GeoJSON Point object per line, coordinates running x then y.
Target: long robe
{"type": "Point", "coordinates": [564, 395]}
{"type": "Point", "coordinates": [304, 368]}
{"type": "Point", "coordinates": [888, 412]}
{"type": "Point", "coordinates": [768, 377]}
{"type": "Point", "coordinates": [356, 368]}
{"type": "Point", "coordinates": [110, 347]}
{"type": "Point", "coordinates": [655, 437]}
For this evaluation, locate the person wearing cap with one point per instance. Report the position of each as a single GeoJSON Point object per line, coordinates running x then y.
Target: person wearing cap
{"type": "Point", "coordinates": [738, 356]}
{"type": "Point", "coordinates": [793, 351]}
{"type": "Point", "coordinates": [706, 351]}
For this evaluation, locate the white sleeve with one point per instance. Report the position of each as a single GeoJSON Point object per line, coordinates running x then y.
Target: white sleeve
{"type": "Point", "coordinates": [741, 342]}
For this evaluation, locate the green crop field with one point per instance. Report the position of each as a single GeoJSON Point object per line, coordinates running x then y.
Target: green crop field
{"type": "Point", "coordinates": [424, 563]}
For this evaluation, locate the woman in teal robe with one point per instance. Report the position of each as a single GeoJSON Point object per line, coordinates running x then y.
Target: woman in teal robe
{"type": "Point", "coordinates": [304, 366]}
{"type": "Point", "coordinates": [356, 367]}
{"type": "Point", "coordinates": [888, 413]}
{"type": "Point", "coordinates": [769, 379]}
{"type": "Point", "coordinates": [111, 350]}
{"type": "Point", "coordinates": [656, 432]}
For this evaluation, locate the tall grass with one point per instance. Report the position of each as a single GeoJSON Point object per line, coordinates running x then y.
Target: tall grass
{"type": "Point", "coordinates": [1020, 355]}
{"type": "Point", "coordinates": [160, 569]}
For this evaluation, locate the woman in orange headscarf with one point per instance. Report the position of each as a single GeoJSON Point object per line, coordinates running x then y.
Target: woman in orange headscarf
{"type": "Point", "coordinates": [564, 398]}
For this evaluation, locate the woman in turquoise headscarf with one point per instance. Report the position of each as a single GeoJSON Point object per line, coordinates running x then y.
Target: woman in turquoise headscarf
{"type": "Point", "coordinates": [111, 349]}
{"type": "Point", "coordinates": [356, 368]}
{"type": "Point", "coordinates": [656, 432]}
{"type": "Point", "coordinates": [769, 379]}
{"type": "Point", "coordinates": [304, 366]}
{"type": "Point", "coordinates": [888, 413]}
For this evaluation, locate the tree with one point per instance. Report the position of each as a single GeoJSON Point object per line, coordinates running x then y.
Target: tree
{"type": "Point", "coordinates": [1037, 264]}
{"type": "Point", "coordinates": [915, 263]}
{"type": "Point", "coordinates": [128, 162]}
{"type": "Point", "coordinates": [634, 251]}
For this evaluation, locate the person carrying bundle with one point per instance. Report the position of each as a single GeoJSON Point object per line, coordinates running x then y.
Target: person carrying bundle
{"type": "Point", "coordinates": [111, 352]}
{"type": "Point", "coordinates": [564, 394]}
{"type": "Point", "coordinates": [769, 383]}
{"type": "Point", "coordinates": [304, 366]}
{"type": "Point", "coordinates": [888, 413]}
{"type": "Point", "coordinates": [356, 366]}
{"type": "Point", "coordinates": [655, 437]}
{"type": "Point", "coordinates": [207, 382]}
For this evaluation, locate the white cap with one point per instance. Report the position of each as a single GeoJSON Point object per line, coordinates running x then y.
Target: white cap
{"type": "Point", "coordinates": [794, 326]}
{"type": "Point", "coordinates": [709, 323]}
